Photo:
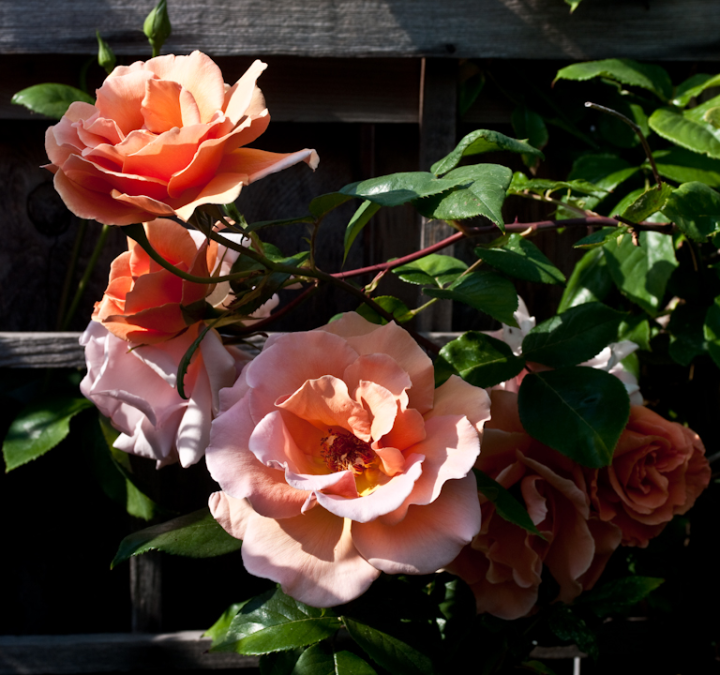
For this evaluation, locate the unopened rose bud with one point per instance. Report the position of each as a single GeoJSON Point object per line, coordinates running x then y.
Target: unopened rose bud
{"type": "Point", "coordinates": [157, 27]}
{"type": "Point", "coordinates": [106, 56]}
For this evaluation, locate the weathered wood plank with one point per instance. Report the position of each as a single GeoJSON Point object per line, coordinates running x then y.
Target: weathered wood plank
{"type": "Point", "coordinates": [113, 652]}
{"type": "Point", "coordinates": [648, 29]}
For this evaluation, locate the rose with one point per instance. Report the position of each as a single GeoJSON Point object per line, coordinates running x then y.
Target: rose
{"type": "Point", "coordinates": [134, 385]}
{"type": "Point", "coordinates": [658, 470]}
{"type": "Point", "coordinates": [163, 137]}
{"type": "Point", "coordinates": [504, 563]}
{"type": "Point", "coordinates": [338, 460]}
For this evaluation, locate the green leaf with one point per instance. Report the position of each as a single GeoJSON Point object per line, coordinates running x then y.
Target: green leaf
{"type": "Point", "coordinates": [692, 87]}
{"type": "Point", "coordinates": [485, 291]}
{"type": "Point", "coordinates": [528, 124]}
{"type": "Point", "coordinates": [625, 71]}
{"type": "Point", "coordinates": [157, 26]}
{"type": "Point", "coordinates": [483, 194]}
{"type": "Point", "coordinates": [106, 57]}
{"type": "Point", "coordinates": [686, 328]}
{"type": "Point", "coordinates": [220, 628]}
{"type": "Point", "coordinates": [712, 116]}
{"type": "Point", "coordinates": [649, 202]}
{"type": "Point", "coordinates": [507, 507]}
{"type": "Point", "coordinates": [575, 336]}
{"type": "Point", "coordinates": [590, 281]}
{"type": "Point", "coordinates": [695, 208]}
{"type": "Point", "coordinates": [481, 360]}
{"type": "Point", "coordinates": [636, 329]}
{"type": "Point", "coordinates": [677, 127]}
{"type": "Point", "coordinates": [521, 183]}
{"type": "Point", "coordinates": [578, 411]}
{"type": "Point", "coordinates": [432, 270]}
{"type": "Point", "coordinates": [280, 663]}
{"type": "Point", "coordinates": [50, 99]}
{"type": "Point", "coordinates": [390, 304]}
{"type": "Point", "coordinates": [360, 218]}
{"type": "Point", "coordinates": [601, 236]}
{"type": "Point", "coordinates": [274, 622]}
{"type": "Point", "coordinates": [320, 660]}
{"type": "Point", "coordinates": [388, 652]}
{"type": "Point", "coordinates": [39, 427]}
{"type": "Point", "coordinates": [481, 141]}
{"type": "Point", "coordinates": [322, 205]}
{"type": "Point", "coordinates": [573, 4]}
{"type": "Point", "coordinates": [618, 595]}
{"type": "Point", "coordinates": [252, 227]}
{"type": "Point", "coordinates": [605, 170]}
{"type": "Point", "coordinates": [642, 272]}
{"type": "Point", "coordinates": [520, 258]}
{"type": "Point", "coordinates": [195, 535]}
{"type": "Point", "coordinates": [398, 188]}
{"type": "Point", "coordinates": [711, 330]}
{"type": "Point", "coordinates": [569, 627]}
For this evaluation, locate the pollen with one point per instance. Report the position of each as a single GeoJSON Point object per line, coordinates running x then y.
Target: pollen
{"type": "Point", "coordinates": [342, 451]}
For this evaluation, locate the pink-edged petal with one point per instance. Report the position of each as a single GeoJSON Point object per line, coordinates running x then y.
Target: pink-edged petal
{"type": "Point", "coordinates": [193, 432]}
{"type": "Point", "coordinates": [243, 93]}
{"type": "Point", "coordinates": [457, 397]}
{"type": "Point", "coordinates": [220, 364]}
{"type": "Point", "coordinates": [392, 460]}
{"type": "Point", "coordinates": [200, 75]}
{"type": "Point", "coordinates": [382, 405]}
{"type": "Point", "coordinates": [408, 429]}
{"type": "Point", "coordinates": [273, 444]}
{"type": "Point", "coordinates": [312, 556]}
{"type": "Point", "coordinates": [450, 448]}
{"type": "Point", "coordinates": [384, 499]}
{"type": "Point", "coordinates": [120, 99]}
{"type": "Point", "coordinates": [428, 538]}
{"type": "Point", "coordinates": [380, 369]}
{"type": "Point", "coordinates": [340, 483]}
{"type": "Point", "coordinates": [257, 164]}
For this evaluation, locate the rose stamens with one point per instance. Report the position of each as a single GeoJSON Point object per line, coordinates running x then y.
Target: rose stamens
{"type": "Point", "coordinates": [342, 451]}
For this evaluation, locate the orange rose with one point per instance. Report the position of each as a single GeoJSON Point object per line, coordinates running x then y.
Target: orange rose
{"type": "Point", "coordinates": [658, 470]}
{"type": "Point", "coordinates": [144, 302]}
{"type": "Point", "coordinates": [163, 137]}
{"type": "Point", "coordinates": [504, 563]}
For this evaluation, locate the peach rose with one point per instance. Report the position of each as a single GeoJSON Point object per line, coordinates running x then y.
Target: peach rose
{"type": "Point", "coordinates": [338, 460]}
{"type": "Point", "coordinates": [658, 470]}
{"type": "Point", "coordinates": [134, 385]}
{"type": "Point", "coordinates": [163, 137]}
{"type": "Point", "coordinates": [504, 563]}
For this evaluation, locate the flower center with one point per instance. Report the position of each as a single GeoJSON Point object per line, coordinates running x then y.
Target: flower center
{"type": "Point", "coordinates": [343, 451]}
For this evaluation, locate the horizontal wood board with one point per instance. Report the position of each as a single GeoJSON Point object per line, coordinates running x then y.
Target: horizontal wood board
{"type": "Point", "coordinates": [538, 29]}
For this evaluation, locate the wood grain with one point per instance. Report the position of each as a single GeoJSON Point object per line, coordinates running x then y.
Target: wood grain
{"type": "Point", "coordinates": [540, 29]}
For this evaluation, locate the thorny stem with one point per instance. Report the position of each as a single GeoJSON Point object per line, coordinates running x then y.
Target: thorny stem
{"type": "Point", "coordinates": [550, 200]}
{"type": "Point", "coordinates": [99, 245]}
{"type": "Point", "coordinates": [636, 129]}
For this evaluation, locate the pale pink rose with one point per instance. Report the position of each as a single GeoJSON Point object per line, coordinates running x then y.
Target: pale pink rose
{"type": "Point", "coordinates": [658, 471]}
{"type": "Point", "coordinates": [164, 137]}
{"type": "Point", "coordinates": [134, 385]}
{"type": "Point", "coordinates": [504, 563]}
{"type": "Point", "coordinates": [338, 460]}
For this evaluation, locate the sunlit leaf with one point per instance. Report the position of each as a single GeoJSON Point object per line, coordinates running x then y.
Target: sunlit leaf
{"type": "Point", "coordinates": [50, 99]}
{"type": "Point", "coordinates": [695, 209]}
{"type": "Point", "coordinates": [520, 258]}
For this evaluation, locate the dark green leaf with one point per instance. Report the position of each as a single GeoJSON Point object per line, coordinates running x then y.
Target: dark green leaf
{"type": "Point", "coordinates": [458, 608]}
{"type": "Point", "coordinates": [605, 170]}
{"type": "Point", "coordinates": [322, 205]}
{"type": "Point", "coordinates": [687, 339]}
{"type": "Point", "coordinates": [692, 87]}
{"type": "Point", "coordinates": [483, 191]}
{"type": "Point", "coordinates": [507, 507]}
{"type": "Point", "coordinates": [529, 125]}
{"type": "Point", "coordinates": [481, 360]}
{"type": "Point", "coordinates": [320, 660]}
{"type": "Point", "coordinates": [39, 427]}
{"type": "Point", "coordinates": [636, 329]}
{"type": "Point", "coordinates": [695, 208]}
{"type": "Point", "coordinates": [601, 236]}
{"type": "Point", "coordinates": [485, 291]}
{"type": "Point", "coordinates": [252, 227]}
{"type": "Point", "coordinates": [220, 628]}
{"type": "Point", "coordinates": [280, 663]}
{"type": "Point", "coordinates": [677, 127]}
{"type": "Point", "coordinates": [618, 595]}
{"type": "Point", "coordinates": [390, 304]}
{"type": "Point", "coordinates": [520, 258]}
{"type": "Point", "coordinates": [649, 202]}
{"type": "Point", "coordinates": [274, 622]}
{"type": "Point", "coordinates": [432, 270]}
{"type": "Point", "coordinates": [578, 411]}
{"type": "Point", "coordinates": [360, 218]}
{"type": "Point", "coordinates": [195, 535]}
{"type": "Point", "coordinates": [590, 280]}
{"type": "Point", "coordinates": [711, 330]}
{"type": "Point", "coordinates": [575, 336]}
{"type": "Point", "coordinates": [50, 99]}
{"type": "Point", "coordinates": [569, 627]}
{"type": "Point", "coordinates": [388, 652]}
{"type": "Point", "coordinates": [625, 71]}
{"type": "Point", "coordinates": [521, 183]}
{"type": "Point", "coordinates": [398, 188]}
{"type": "Point", "coordinates": [478, 142]}
{"type": "Point", "coordinates": [642, 272]}
{"type": "Point", "coordinates": [684, 166]}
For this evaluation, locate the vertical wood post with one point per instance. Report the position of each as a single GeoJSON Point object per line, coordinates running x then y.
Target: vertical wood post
{"type": "Point", "coordinates": [146, 593]}
{"type": "Point", "coordinates": [438, 131]}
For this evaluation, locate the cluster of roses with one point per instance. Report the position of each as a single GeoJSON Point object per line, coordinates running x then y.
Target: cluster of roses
{"type": "Point", "coordinates": [337, 457]}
